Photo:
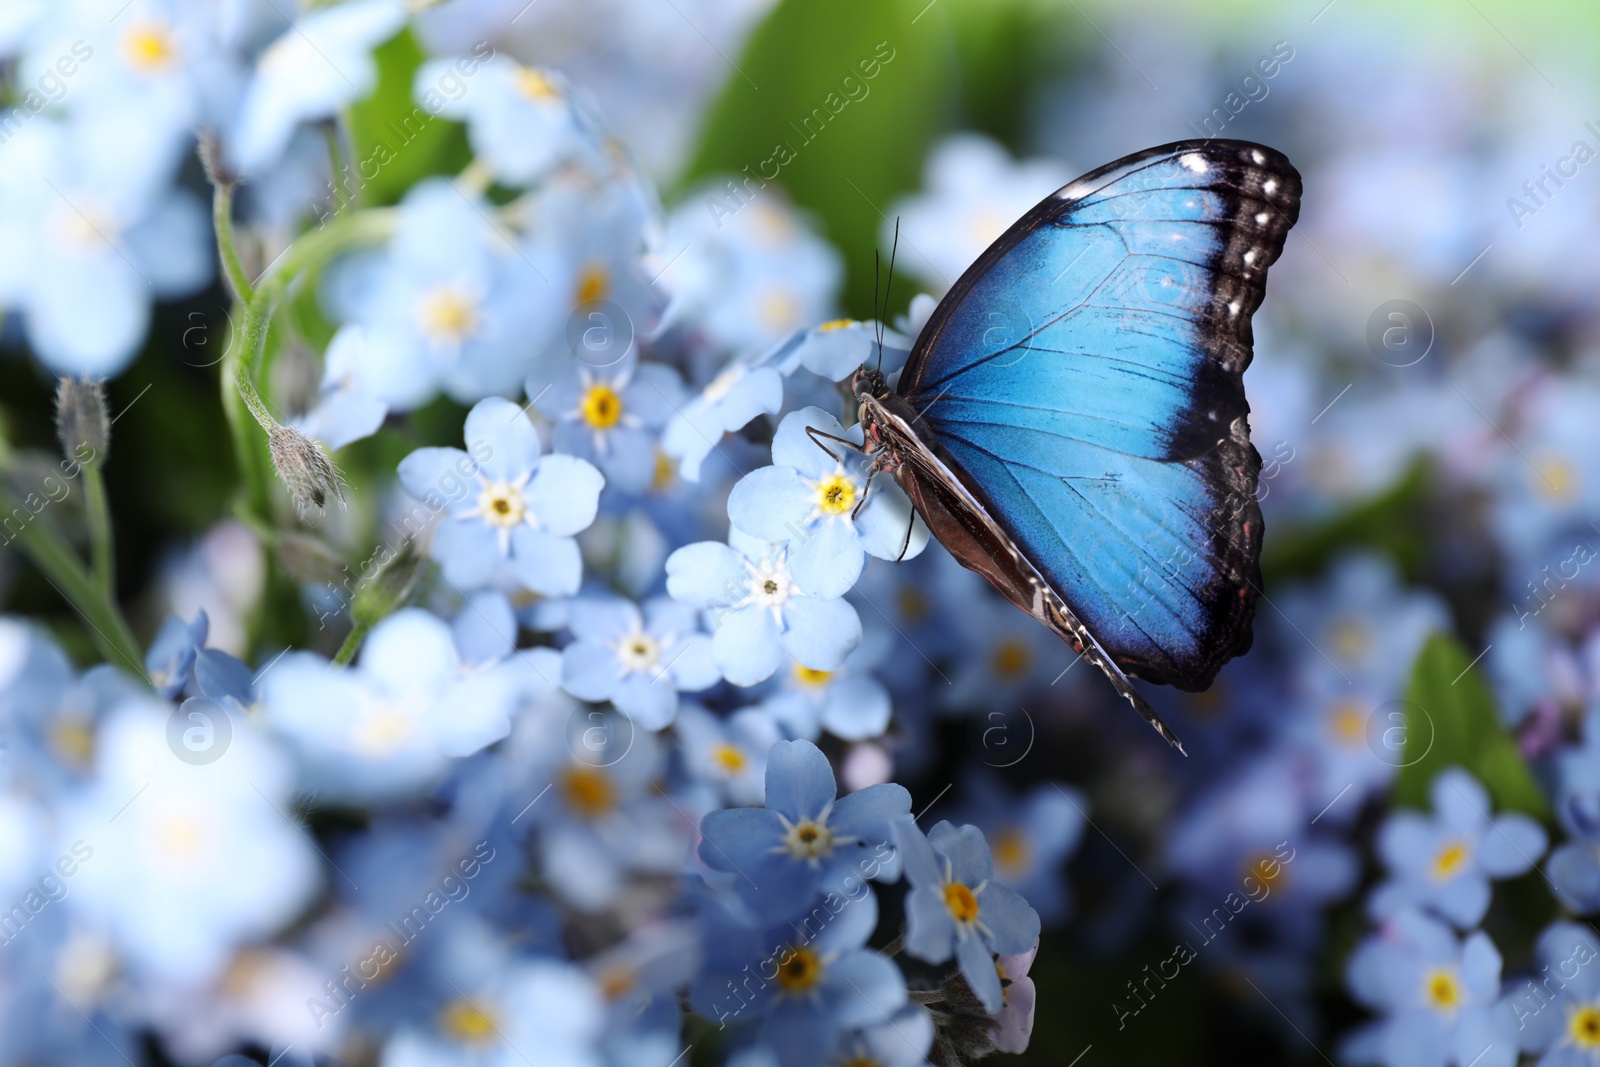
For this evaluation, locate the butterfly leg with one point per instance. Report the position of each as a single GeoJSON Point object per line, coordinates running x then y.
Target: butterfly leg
{"type": "Point", "coordinates": [817, 437]}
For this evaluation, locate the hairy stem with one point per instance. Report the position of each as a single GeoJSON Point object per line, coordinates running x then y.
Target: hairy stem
{"type": "Point", "coordinates": [101, 546]}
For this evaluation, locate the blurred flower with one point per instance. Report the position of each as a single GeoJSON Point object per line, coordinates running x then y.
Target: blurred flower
{"type": "Point", "coordinates": [1438, 996]}
{"type": "Point", "coordinates": [321, 64]}
{"type": "Point", "coordinates": [1444, 863]}
{"type": "Point", "coordinates": [1030, 836]}
{"type": "Point", "coordinates": [849, 702]}
{"type": "Point", "coordinates": [1013, 1024]}
{"type": "Point", "coordinates": [1558, 1016]}
{"type": "Point", "coordinates": [956, 908]}
{"type": "Point", "coordinates": [171, 656]}
{"type": "Point", "coordinates": [612, 415]}
{"type": "Point", "coordinates": [524, 514]}
{"type": "Point", "coordinates": [1574, 867]}
{"type": "Point", "coordinates": [730, 752]}
{"type": "Point", "coordinates": [520, 120]}
{"type": "Point", "coordinates": [804, 836]}
{"type": "Point", "coordinates": [973, 192]}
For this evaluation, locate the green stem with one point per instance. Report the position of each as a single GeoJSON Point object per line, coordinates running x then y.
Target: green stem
{"type": "Point", "coordinates": [222, 222]}
{"type": "Point", "coordinates": [100, 544]}
{"type": "Point", "coordinates": [63, 570]}
{"type": "Point", "coordinates": [336, 163]}
{"type": "Point", "coordinates": [352, 642]}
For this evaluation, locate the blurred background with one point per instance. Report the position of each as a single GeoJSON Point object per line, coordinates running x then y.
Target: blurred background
{"type": "Point", "coordinates": [1425, 396]}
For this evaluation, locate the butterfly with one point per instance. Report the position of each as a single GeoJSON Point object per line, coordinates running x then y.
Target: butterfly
{"type": "Point", "coordinates": [1071, 423]}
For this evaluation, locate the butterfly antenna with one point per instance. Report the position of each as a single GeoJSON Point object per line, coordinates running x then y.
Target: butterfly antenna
{"type": "Point", "coordinates": [887, 286]}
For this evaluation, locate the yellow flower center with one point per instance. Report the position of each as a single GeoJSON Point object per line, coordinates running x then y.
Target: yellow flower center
{"type": "Point", "coordinates": [799, 971]}
{"type": "Point", "coordinates": [502, 505]}
{"type": "Point", "coordinates": [72, 740]}
{"type": "Point", "coordinates": [383, 730]}
{"type": "Point", "coordinates": [1347, 722]}
{"type": "Point", "coordinates": [1557, 479]}
{"type": "Point", "coordinates": [448, 315]}
{"type": "Point", "coordinates": [535, 85]}
{"type": "Point", "coordinates": [1351, 640]}
{"type": "Point", "coordinates": [730, 758]}
{"type": "Point", "coordinates": [1267, 868]}
{"type": "Point", "coordinates": [602, 407]}
{"type": "Point", "coordinates": [836, 324]}
{"type": "Point", "coordinates": [617, 981]}
{"type": "Point", "coordinates": [150, 48]}
{"type": "Point", "coordinates": [665, 474]}
{"type": "Point", "coordinates": [961, 902]}
{"type": "Point", "coordinates": [913, 604]}
{"type": "Point", "coordinates": [1011, 659]}
{"type": "Point", "coordinates": [810, 677]}
{"type": "Point", "coordinates": [639, 652]}
{"type": "Point", "coordinates": [836, 495]}
{"type": "Point", "coordinates": [180, 836]}
{"type": "Point", "coordinates": [593, 284]}
{"type": "Point", "coordinates": [807, 839]}
{"type": "Point", "coordinates": [1441, 990]}
{"type": "Point", "coordinates": [463, 1021]}
{"type": "Point", "coordinates": [778, 309]}
{"type": "Point", "coordinates": [588, 790]}
{"type": "Point", "coordinates": [1583, 1026]}
{"type": "Point", "coordinates": [1011, 851]}
{"type": "Point", "coordinates": [1451, 858]}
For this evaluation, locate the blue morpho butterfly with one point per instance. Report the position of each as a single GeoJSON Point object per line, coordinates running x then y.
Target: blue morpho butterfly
{"type": "Point", "coordinates": [1071, 422]}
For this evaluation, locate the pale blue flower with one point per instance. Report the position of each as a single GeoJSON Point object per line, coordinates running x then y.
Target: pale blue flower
{"type": "Point", "coordinates": [319, 65]}
{"type": "Point", "coordinates": [1557, 1011]}
{"type": "Point", "coordinates": [391, 724]}
{"type": "Point", "coordinates": [811, 499]}
{"type": "Point", "coordinates": [520, 120]}
{"type": "Point", "coordinates": [1030, 836]}
{"type": "Point", "coordinates": [637, 660]}
{"type": "Point", "coordinates": [1444, 862]}
{"type": "Point", "coordinates": [520, 517]}
{"type": "Point", "coordinates": [1438, 995]}
{"type": "Point", "coordinates": [758, 611]}
{"type": "Point", "coordinates": [956, 908]}
{"type": "Point", "coordinates": [743, 390]}
{"type": "Point", "coordinates": [807, 982]}
{"type": "Point", "coordinates": [344, 411]}
{"type": "Point", "coordinates": [848, 702]}
{"type": "Point", "coordinates": [204, 858]}
{"type": "Point", "coordinates": [82, 254]}
{"type": "Point", "coordinates": [1574, 868]}
{"type": "Point", "coordinates": [730, 753]}
{"type": "Point", "coordinates": [452, 305]}
{"type": "Point", "coordinates": [170, 659]}
{"type": "Point", "coordinates": [804, 836]}
{"type": "Point", "coordinates": [612, 415]}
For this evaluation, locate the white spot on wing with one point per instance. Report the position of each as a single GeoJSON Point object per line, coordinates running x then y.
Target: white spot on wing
{"type": "Point", "coordinates": [1193, 161]}
{"type": "Point", "coordinates": [1257, 157]}
{"type": "Point", "coordinates": [1261, 218]}
{"type": "Point", "coordinates": [1233, 308]}
{"type": "Point", "coordinates": [1250, 256]}
{"type": "Point", "coordinates": [1269, 186]}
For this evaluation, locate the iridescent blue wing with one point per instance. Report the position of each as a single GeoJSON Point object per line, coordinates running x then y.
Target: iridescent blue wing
{"type": "Point", "coordinates": [1084, 381]}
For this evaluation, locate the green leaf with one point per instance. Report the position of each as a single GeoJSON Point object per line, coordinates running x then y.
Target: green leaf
{"type": "Point", "coordinates": [1387, 523]}
{"type": "Point", "coordinates": [1451, 721]}
{"type": "Point", "coordinates": [395, 143]}
{"type": "Point", "coordinates": [851, 156]}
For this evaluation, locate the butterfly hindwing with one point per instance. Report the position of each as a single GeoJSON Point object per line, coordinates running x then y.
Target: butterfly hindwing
{"type": "Point", "coordinates": [1084, 378]}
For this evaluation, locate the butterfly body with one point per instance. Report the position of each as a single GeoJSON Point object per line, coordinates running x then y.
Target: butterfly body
{"type": "Point", "coordinates": [1072, 424]}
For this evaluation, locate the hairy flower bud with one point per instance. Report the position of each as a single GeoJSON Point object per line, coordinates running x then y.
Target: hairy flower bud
{"type": "Point", "coordinates": [81, 421]}
{"type": "Point", "coordinates": [305, 469]}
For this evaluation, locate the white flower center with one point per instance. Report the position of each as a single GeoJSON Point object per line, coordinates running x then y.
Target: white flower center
{"type": "Point", "coordinates": [770, 585]}
{"type": "Point", "coordinates": [448, 314]}
{"type": "Point", "coordinates": [638, 652]}
{"type": "Point", "coordinates": [502, 505]}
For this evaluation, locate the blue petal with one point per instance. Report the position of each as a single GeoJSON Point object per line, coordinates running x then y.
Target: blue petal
{"type": "Point", "coordinates": [793, 447]}
{"type": "Point", "coordinates": [545, 564]}
{"type": "Point", "coordinates": [868, 814]}
{"type": "Point", "coordinates": [826, 559]}
{"type": "Point", "coordinates": [746, 645]}
{"type": "Point", "coordinates": [977, 967]}
{"type": "Point", "coordinates": [870, 987]}
{"type": "Point", "coordinates": [771, 503]}
{"type": "Point", "coordinates": [800, 781]}
{"type": "Point", "coordinates": [967, 851]}
{"type": "Point", "coordinates": [439, 476]}
{"type": "Point", "coordinates": [565, 494]}
{"type": "Point", "coordinates": [468, 551]}
{"type": "Point", "coordinates": [1513, 845]}
{"type": "Point", "coordinates": [590, 671]}
{"type": "Point", "coordinates": [500, 436]}
{"type": "Point", "coordinates": [922, 865]}
{"type": "Point", "coordinates": [1014, 925]}
{"type": "Point", "coordinates": [820, 632]}
{"type": "Point", "coordinates": [706, 574]}
{"type": "Point", "coordinates": [930, 931]}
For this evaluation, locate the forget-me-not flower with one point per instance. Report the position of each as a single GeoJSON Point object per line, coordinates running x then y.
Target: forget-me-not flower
{"type": "Point", "coordinates": [320, 64]}
{"type": "Point", "coordinates": [1444, 862]}
{"type": "Point", "coordinates": [611, 415]}
{"type": "Point", "coordinates": [170, 659]}
{"type": "Point", "coordinates": [730, 753]}
{"type": "Point", "coordinates": [955, 907]}
{"type": "Point", "coordinates": [638, 660]}
{"type": "Point", "coordinates": [1439, 995]}
{"type": "Point", "coordinates": [1557, 1010]}
{"type": "Point", "coordinates": [758, 610]}
{"type": "Point", "coordinates": [1574, 868]}
{"type": "Point", "coordinates": [849, 702]}
{"type": "Point", "coordinates": [783, 852]}
{"type": "Point", "coordinates": [811, 498]}
{"type": "Point", "coordinates": [522, 513]}
{"type": "Point", "coordinates": [807, 981]}
{"type": "Point", "coordinates": [740, 392]}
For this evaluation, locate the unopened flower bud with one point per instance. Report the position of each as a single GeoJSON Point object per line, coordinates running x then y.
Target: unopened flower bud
{"type": "Point", "coordinates": [81, 421]}
{"type": "Point", "coordinates": [305, 469]}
